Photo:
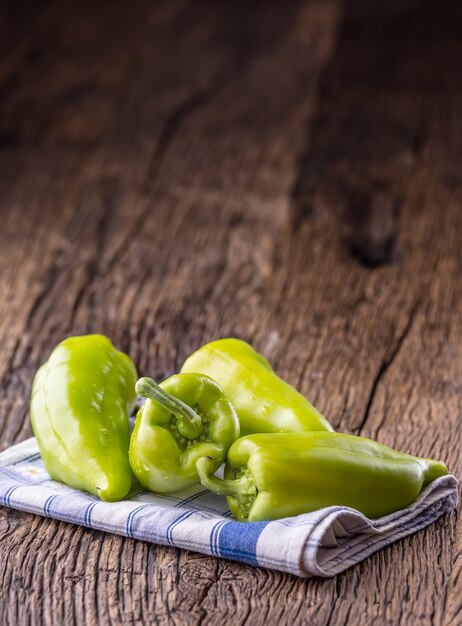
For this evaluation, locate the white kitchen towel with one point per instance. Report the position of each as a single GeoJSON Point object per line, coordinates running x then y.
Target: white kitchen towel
{"type": "Point", "coordinates": [322, 543]}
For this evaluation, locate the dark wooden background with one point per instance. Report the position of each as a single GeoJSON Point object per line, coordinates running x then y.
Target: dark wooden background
{"type": "Point", "coordinates": [285, 172]}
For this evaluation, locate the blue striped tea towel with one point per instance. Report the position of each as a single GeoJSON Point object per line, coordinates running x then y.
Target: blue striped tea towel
{"type": "Point", "coordinates": [322, 543]}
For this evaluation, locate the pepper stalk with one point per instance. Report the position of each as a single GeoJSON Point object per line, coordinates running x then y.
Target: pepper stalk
{"type": "Point", "coordinates": [242, 490]}
{"type": "Point", "coordinates": [188, 421]}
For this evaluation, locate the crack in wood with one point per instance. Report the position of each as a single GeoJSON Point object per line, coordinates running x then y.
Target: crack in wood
{"type": "Point", "coordinates": [385, 365]}
{"type": "Point", "coordinates": [167, 134]}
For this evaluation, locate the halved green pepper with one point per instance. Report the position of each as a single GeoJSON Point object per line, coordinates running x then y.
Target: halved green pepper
{"type": "Point", "coordinates": [264, 402]}
{"type": "Point", "coordinates": [269, 476]}
{"type": "Point", "coordinates": [81, 398]}
{"type": "Point", "coordinates": [186, 417]}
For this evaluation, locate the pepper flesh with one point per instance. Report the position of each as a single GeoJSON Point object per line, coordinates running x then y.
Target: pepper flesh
{"type": "Point", "coordinates": [270, 476]}
{"type": "Point", "coordinates": [186, 417]}
{"type": "Point", "coordinates": [264, 402]}
{"type": "Point", "coordinates": [81, 399]}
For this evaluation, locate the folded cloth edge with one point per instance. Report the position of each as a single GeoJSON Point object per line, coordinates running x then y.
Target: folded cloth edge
{"type": "Point", "coordinates": [439, 498]}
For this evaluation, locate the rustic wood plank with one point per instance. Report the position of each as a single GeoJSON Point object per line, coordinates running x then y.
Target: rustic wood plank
{"type": "Point", "coordinates": [249, 171]}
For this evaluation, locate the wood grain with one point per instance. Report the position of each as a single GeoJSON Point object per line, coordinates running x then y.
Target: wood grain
{"type": "Point", "coordinates": [288, 173]}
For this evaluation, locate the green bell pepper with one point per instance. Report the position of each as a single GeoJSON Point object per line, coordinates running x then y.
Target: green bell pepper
{"type": "Point", "coordinates": [81, 398]}
{"type": "Point", "coordinates": [184, 418]}
{"type": "Point", "coordinates": [264, 402]}
{"type": "Point", "coordinates": [269, 476]}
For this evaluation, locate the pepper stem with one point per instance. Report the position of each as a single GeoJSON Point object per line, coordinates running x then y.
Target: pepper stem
{"type": "Point", "coordinates": [241, 489]}
{"type": "Point", "coordinates": [188, 421]}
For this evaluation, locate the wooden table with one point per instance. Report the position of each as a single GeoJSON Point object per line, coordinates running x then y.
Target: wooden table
{"type": "Point", "coordinates": [285, 172]}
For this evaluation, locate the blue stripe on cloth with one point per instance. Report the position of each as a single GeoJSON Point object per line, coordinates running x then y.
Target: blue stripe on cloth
{"type": "Point", "coordinates": [131, 515]}
{"type": "Point", "coordinates": [6, 498]}
{"type": "Point", "coordinates": [191, 498]}
{"type": "Point", "coordinates": [169, 533]}
{"type": "Point", "coordinates": [47, 504]}
{"type": "Point", "coordinates": [238, 540]}
{"type": "Point", "coordinates": [215, 537]}
{"type": "Point", "coordinates": [31, 457]}
{"type": "Point", "coordinates": [138, 494]}
{"type": "Point", "coordinates": [88, 512]}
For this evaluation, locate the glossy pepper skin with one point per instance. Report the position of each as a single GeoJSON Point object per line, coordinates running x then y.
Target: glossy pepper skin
{"type": "Point", "coordinates": [184, 418]}
{"type": "Point", "coordinates": [81, 398]}
{"type": "Point", "coordinates": [269, 476]}
{"type": "Point", "coordinates": [264, 402]}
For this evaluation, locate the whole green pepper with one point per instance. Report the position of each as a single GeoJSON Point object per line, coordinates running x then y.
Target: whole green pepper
{"type": "Point", "coordinates": [264, 402]}
{"type": "Point", "coordinates": [81, 398]}
{"type": "Point", "coordinates": [184, 418]}
{"type": "Point", "coordinates": [269, 476]}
